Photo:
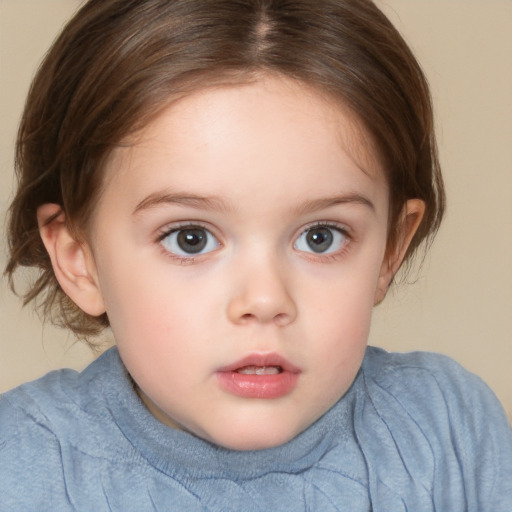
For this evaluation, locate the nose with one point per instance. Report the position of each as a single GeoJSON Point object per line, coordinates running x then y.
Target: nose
{"type": "Point", "coordinates": [261, 294]}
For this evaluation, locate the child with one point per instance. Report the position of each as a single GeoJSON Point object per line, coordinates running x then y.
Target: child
{"type": "Point", "coordinates": [231, 187]}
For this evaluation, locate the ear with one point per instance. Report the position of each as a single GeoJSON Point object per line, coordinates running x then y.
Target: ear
{"type": "Point", "coordinates": [411, 216]}
{"type": "Point", "coordinates": [72, 260]}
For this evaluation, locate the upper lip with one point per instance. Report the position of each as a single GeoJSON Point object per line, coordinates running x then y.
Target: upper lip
{"type": "Point", "coordinates": [268, 359]}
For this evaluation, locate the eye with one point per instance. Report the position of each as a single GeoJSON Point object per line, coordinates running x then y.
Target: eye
{"type": "Point", "coordinates": [321, 239]}
{"type": "Point", "coordinates": [189, 241]}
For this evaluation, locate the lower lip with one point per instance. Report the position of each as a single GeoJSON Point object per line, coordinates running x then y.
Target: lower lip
{"type": "Point", "coordinates": [258, 386]}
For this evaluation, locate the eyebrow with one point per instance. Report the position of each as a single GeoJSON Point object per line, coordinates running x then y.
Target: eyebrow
{"type": "Point", "coordinates": [313, 205]}
{"type": "Point", "coordinates": [158, 199]}
{"type": "Point", "coordinates": [194, 201]}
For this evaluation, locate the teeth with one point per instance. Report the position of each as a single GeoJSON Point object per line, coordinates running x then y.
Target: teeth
{"type": "Point", "coordinates": [260, 370]}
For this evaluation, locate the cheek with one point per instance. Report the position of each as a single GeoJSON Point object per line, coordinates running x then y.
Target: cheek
{"type": "Point", "coordinates": [341, 329]}
{"type": "Point", "coordinates": [344, 296]}
{"type": "Point", "coordinates": [133, 294]}
{"type": "Point", "coordinates": [152, 309]}
{"type": "Point", "coordinates": [338, 315]}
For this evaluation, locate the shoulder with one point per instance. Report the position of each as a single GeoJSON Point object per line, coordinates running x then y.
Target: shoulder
{"type": "Point", "coordinates": [46, 400]}
{"type": "Point", "coordinates": [44, 424]}
{"type": "Point", "coordinates": [384, 366]}
{"type": "Point", "coordinates": [58, 437]}
{"type": "Point", "coordinates": [434, 391]}
{"type": "Point", "coordinates": [32, 405]}
{"type": "Point", "coordinates": [378, 361]}
{"type": "Point", "coordinates": [440, 421]}
{"type": "Point", "coordinates": [433, 381]}
{"type": "Point", "coordinates": [53, 403]}
{"type": "Point", "coordinates": [29, 445]}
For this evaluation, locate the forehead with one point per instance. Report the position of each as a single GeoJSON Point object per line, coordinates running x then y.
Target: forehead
{"type": "Point", "coordinates": [236, 130]}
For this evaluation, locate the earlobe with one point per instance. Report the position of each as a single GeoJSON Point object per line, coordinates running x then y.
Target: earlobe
{"type": "Point", "coordinates": [412, 215]}
{"type": "Point", "coordinates": [72, 260]}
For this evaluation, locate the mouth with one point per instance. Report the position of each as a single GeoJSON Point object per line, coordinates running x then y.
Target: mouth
{"type": "Point", "coordinates": [262, 364]}
{"type": "Point", "coordinates": [263, 376]}
{"type": "Point", "coordinates": [260, 370]}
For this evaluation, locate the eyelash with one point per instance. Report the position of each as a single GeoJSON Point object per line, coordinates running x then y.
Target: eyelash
{"type": "Point", "coordinates": [335, 255]}
{"type": "Point", "coordinates": [182, 260]}
{"type": "Point", "coordinates": [311, 256]}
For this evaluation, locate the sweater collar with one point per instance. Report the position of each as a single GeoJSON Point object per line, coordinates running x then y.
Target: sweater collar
{"type": "Point", "coordinates": [173, 451]}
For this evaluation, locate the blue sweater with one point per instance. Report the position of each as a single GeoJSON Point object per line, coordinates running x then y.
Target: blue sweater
{"type": "Point", "coordinates": [415, 432]}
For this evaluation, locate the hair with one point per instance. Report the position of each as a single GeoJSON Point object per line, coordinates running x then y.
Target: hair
{"type": "Point", "coordinates": [118, 63]}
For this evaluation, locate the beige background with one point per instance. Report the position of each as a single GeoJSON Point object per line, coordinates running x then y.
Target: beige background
{"type": "Point", "coordinates": [461, 303]}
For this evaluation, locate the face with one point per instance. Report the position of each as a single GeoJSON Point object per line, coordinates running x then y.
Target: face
{"type": "Point", "coordinates": [238, 247]}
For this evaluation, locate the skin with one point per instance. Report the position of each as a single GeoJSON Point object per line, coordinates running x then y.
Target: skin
{"type": "Point", "coordinates": [258, 166]}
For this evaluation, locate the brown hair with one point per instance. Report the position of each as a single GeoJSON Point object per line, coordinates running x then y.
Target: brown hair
{"type": "Point", "coordinates": [118, 62]}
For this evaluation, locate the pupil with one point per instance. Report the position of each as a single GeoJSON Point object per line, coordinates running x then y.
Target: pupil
{"type": "Point", "coordinates": [192, 240]}
{"type": "Point", "coordinates": [319, 240]}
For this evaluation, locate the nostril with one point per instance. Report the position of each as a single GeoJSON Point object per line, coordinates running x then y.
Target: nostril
{"type": "Point", "coordinates": [282, 319]}
{"type": "Point", "coordinates": [247, 317]}
{"type": "Point", "coordinates": [279, 319]}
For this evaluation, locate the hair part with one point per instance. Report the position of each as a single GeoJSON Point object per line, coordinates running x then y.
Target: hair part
{"type": "Point", "coordinates": [118, 63]}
